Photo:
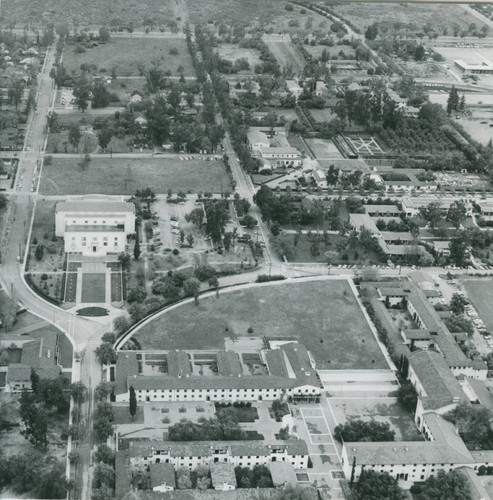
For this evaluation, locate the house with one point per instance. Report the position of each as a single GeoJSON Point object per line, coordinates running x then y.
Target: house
{"type": "Point", "coordinates": [282, 473]}
{"type": "Point", "coordinates": [94, 224]}
{"type": "Point", "coordinates": [136, 98]}
{"type": "Point", "coordinates": [320, 178]}
{"type": "Point", "coordinates": [223, 476]}
{"type": "Point", "coordinates": [294, 88]}
{"type": "Point", "coordinates": [321, 89]}
{"type": "Point", "coordinates": [162, 477]}
{"type": "Point", "coordinates": [257, 138]}
{"type": "Point", "coordinates": [411, 205]}
{"type": "Point", "coordinates": [382, 210]}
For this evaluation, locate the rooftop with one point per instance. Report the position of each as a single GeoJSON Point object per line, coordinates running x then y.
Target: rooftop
{"type": "Point", "coordinates": [162, 473]}
{"type": "Point", "coordinates": [439, 383]}
{"type": "Point", "coordinates": [223, 473]}
{"type": "Point", "coordinates": [282, 473]}
{"type": "Point", "coordinates": [126, 367]}
{"type": "Point", "coordinates": [100, 204]}
{"type": "Point", "coordinates": [94, 229]}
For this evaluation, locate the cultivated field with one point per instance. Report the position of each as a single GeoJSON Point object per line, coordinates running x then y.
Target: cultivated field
{"type": "Point", "coordinates": [336, 50]}
{"type": "Point", "coordinates": [84, 12]}
{"type": "Point", "coordinates": [232, 52]}
{"type": "Point", "coordinates": [126, 54]}
{"type": "Point", "coordinates": [287, 56]}
{"type": "Point", "coordinates": [416, 14]}
{"type": "Point", "coordinates": [480, 292]}
{"type": "Point", "coordinates": [125, 175]}
{"type": "Point", "coordinates": [323, 315]}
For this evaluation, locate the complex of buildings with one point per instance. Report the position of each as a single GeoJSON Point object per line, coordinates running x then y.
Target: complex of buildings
{"type": "Point", "coordinates": [271, 146]}
{"type": "Point", "coordinates": [95, 225]}
{"type": "Point", "coordinates": [286, 370]}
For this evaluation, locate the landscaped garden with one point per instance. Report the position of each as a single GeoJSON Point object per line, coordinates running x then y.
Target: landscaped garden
{"type": "Point", "coordinates": [323, 315]}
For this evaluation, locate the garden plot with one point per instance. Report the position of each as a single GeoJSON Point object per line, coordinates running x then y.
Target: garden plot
{"type": "Point", "coordinates": [324, 149]}
{"type": "Point", "coordinates": [287, 56]}
{"type": "Point", "coordinates": [233, 52]}
{"type": "Point", "coordinates": [365, 145]}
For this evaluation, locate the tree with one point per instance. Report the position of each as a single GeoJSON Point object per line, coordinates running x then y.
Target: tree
{"type": "Point", "coordinates": [431, 213]}
{"type": "Point", "coordinates": [359, 430]}
{"type": "Point", "coordinates": [457, 213]}
{"type": "Point", "coordinates": [8, 311]}
{"type": "Point", "coordinates": [453, 100]}
{"type": "Point", "coordinates": [53, 483]}
{"type": "Point", "coordinates": [190, 240]}
{"type": "Point", "coordinates": [101, 97]}
{"type": "Point", "coordinates": [375, 486]}
{"type": "Point", "coordinates": [39, 252]}
{"type": "Point", "coordinates": [120, 325]}
{"type": "Point", "coordinates": [35, 420]}
{"type": "Point", "coordinates": [458, 247]}
{"type": "Point", "coordinates": [137, 246]}
{"type": "Point", "coordinates": [124, 260]}
{"type": "Point", "coordinates": [196, 217]}
{"type": "Point", "coordinates": [283, 245]}
{"type": "Point", "coordinates": [104, 137]}
{"type": "Point", "coordinates": [105, 354]}
{"type": "Point", "coordinates": [133, 402]}
{"type": "Point", "coordinates": [458, 303]}
{"type": "Point", "coordinates": [407, 396]}
{"type": "Point", "coordinates": [104, 34]}
{"type": "Point", "coordinates": [103, 390]}
{"type": "Point", "coordinates": [78, 391]}
{"type": "Point", "coordinates": [183, 479]}
{"type": "Point", "coordinates": [192, 287]}
{"type": "Point", "coordinates": [446, 486]}
{"type": "Point", "coordinates": [473, 423]}
{"type": "Point", "coordinates": [74, 136]}
{"type": "Point", "coordinates": [103, 421]}
{"type": "Point", "coordinates": [105, 454]}
{"type": "Point", "coordinates": [104, 474]}
{"type": "Point", "coordinates": [214, 283]}
{"type": "Point", "coordinates": [82, 93]}
{"type": "Point", "coordinates": [293, 492]}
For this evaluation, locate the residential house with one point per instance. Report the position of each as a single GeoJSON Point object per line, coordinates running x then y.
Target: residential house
{"type": "Point", "coordinates": [223, 476]}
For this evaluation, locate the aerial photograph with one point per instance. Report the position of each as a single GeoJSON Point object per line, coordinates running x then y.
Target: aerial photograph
{"type": "Point", "coordinates": [246, 250]}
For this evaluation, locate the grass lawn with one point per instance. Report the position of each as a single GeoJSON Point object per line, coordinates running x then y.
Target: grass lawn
{"type": "Point", "coordinates": [323, 315]}
{"type": "Point", "coordinates": [480, 293]}
{"type": "Point", "coordinates": [93, 287]}
{"type": "Point", "coordinates": [128, 53]}
{"type": "Point", "coordinates": [126, 175]}
{"type": "Point", "coordinates": [386, 410]}
{"type": "Point", "coordinates": [287, 55]}
{"type": "Point", "coordinates": [116, 286]}
{"type": "Point", "coordinates": [122, 415]}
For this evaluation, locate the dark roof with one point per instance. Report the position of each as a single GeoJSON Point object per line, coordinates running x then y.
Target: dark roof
{"type": "Point", "coordinates": [18, 373]}
{"type": "Point", "coordinates": [221, 473]}
{"type": "Point", "coordinates": [93, 229]}
{"type": "Point", "coordinates": [122, 474]}
{"type": "Point", "coordinates": [41, 352]}
{"type": "Point", "coordinates": [162, 473]}
{"type": "Point", "coordinates": [126, 366]}
{"type": "Point", "coordinates": [282, 473]}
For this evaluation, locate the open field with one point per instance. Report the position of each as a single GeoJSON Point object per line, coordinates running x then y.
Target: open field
{"type": "Point", "coordinates": [336, 50]}
{"type": "Point", "coordinates": [287, 56]}
{"type": "Point", "coordinates": [232, 52]}
{"type": "Point", "coordinates": [322, 115]}
{"type": "Point", "coordinates": [93, 287]}
{"type": "Point", "coordinates": [324, 149]}
{"type": "Point", "coordinates": [125, 175]}
{"type": "Point", "coordinates": [323, 315]}
{"type": "Point", "coordinates": [126, 54]}
{"type": "Point", "coordinates": [83, 12]}
{"type": "Point", "coordinates": [417, 14]}
{"type": "Point", "coordinates": [386, 410]}
{"type": "Point", "coordinates": [480, 293]}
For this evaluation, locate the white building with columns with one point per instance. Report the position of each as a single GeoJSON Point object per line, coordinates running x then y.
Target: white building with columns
{"type": "Point", "coordinates": [95, 224]}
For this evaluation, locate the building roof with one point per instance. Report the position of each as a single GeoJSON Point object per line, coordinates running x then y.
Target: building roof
{"type": "Point", "coordinates": [482, 392]}
{"type": "Point", "coordinates": [122, 475]}
{"type": "Point", "coordinates": [484, 65]}
{"type": "Point", "coordinates": [282, 473]}
{"type": "Point", "coordinates": [438, 381]}
{"type": "Point", "coordinates": [126, 367]}
{"type": "Point", "coordinates": [228, 363]}
{"type": "Point", "coordinates": [93, 229]}
{"type": "Point", "coordinates": [382, 209]}
{"type": "Point", "coordinates": [18, 373]}
{"type": "Point", "coordinates": [207, 448]}
{"type": "Point", "coordinates": [397, 235]}
{"type": "Point", "coordinates": [162, 473]}
{"type": "Point", "coordinates": [90, 205]}
{"type": "Point", "coordinates": [223, 473]}
{"type": "Point", "coordinates": [358, 220]}
{"type": "Point", "coordinates": [255, 135]}
{"type": "Point", "coordinates": [41, 352]}
{"type": "Point", "coordinates": [281, 150]}
{"type": "Point", "coordinates": [476, 489]}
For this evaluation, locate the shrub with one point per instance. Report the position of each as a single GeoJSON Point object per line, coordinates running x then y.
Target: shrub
{"type": "Point", "coordinates": [176, 251]}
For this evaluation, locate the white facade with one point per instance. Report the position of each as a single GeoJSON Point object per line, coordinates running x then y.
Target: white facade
{"type": "Point", "coordinates": [95, 225]}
